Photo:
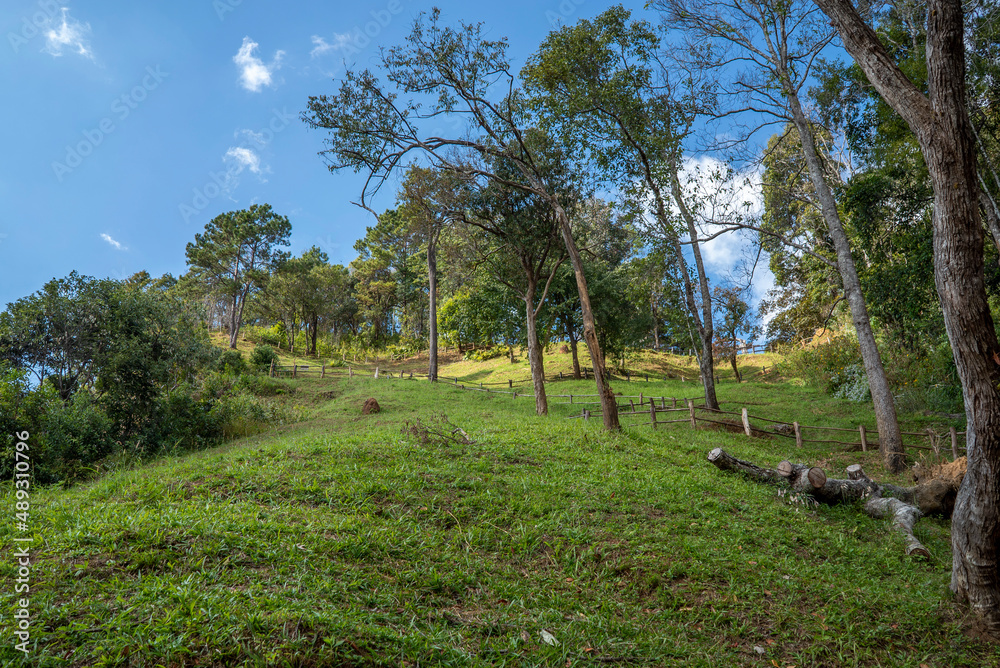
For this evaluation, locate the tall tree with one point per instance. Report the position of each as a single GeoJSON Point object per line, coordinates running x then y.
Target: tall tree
{"type": "Point", "coordinates": [599, 85]}
{"type": "Point", "coordinates": [940, 121]}
{"type": "Point", "coordinates": [434, 196]}
{"type": "Point", "coordinates": [236, 253]}
{"type": "Point", "coordinates": [457, 72]}
{"type": "Point", "coordinates": [782, 39]}
{"type": "Point", "coordinates": [518, 245]}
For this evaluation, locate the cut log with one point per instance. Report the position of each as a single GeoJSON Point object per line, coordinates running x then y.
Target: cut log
{"type": "Point", "coordinates": [727, 462]}
{"type": "Point", "coordinates": [903, 516]}
{"type": "Point", "coordinates": [879, 501]}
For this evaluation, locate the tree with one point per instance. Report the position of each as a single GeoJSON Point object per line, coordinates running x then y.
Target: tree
{"type": "Point", "coordinates": [515, 238]}
{"type": "Point", "coordinates": [782, 39]}
{"type": "Point", "coordinates": [235, 254]}
{"type": "Point", "coordinates": [433, 196]}
{"type": "Point", "coordinates": [457, 72]}
{"type": "Point", "coordinates": [597, 86]}
{"type": "Point", "coordinates": [737, 324]}
{"type": "Point", "coordinates": [941, 124]}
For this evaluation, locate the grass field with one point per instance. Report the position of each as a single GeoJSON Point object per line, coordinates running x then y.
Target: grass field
{"type": "Point", "coordinates": [350, 540]}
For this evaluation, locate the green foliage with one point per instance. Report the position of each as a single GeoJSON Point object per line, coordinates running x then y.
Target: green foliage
{"type": "Point", "coordinates": [262, 357]}
{"type": "Point", "coordinates": [850, 383]}
{"type": "Point", "coordinates": [824, 366]}
{"type": "Point", "coordinates": [271, 336]}
{"type": "Point", "coordinates": [232, 362]}
{"type": "Point", "coordinates": [484, 354]}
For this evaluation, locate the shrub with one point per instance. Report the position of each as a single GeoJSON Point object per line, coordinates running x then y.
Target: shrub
{"type": "Point", "coordinates": [484, 354]}
{"type": "Point", "coordinates": [262, 356]}
{"type": "Point", "coordinates": [231, 361]}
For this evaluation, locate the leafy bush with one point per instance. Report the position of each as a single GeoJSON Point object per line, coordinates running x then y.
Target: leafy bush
{"type": "Point", "coordinates": [262, 356]}
{"type": "Point", "coordinates": [262, 386]}
{"type": "Point", "coordinates": [484, 354]}
{"type": "Point", "coordinates": [231, 361]}
{"type": "Point", "coordinates": [851, 383]}
{"type": "Point", "coordinates": [824, 365]}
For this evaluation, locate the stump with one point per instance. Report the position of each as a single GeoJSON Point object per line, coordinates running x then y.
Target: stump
{"type": "Point", "coordinates": [371, 406]}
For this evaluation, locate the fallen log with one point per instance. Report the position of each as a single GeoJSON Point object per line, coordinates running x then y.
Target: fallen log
{"type": "Point", "coordinates": [880, 501]}
{"type": "Point", "coordinates": [904, 516]}
{"type": "Point", "coordinates": [727, 462]}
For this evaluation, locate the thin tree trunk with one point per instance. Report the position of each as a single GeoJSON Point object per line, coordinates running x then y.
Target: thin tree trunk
{"type": "Point", "coordinates": [573, 348]}
{"type": "Point", "coordinates": [233, 333]}
{"type": "Point", "coordinates": [706, 362]}
{"type": "Point", "coordinates": [890, 440]}
{"type": "Point", "coordinates": [535, 359]}
{"type": "Point", "coordinates": [609, 405]}
{"type": "Point", "coordinates": [315, 334]}
{"type": "Point", "coordinates": [941, 125]}
{"type": "Point", "coordinates": [432, 365]}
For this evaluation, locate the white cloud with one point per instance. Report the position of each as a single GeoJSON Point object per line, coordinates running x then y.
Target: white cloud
{"type": "Point", "coordinates": [341, 40]}
{"type": "Point", "coordinates": [254, 74]}
{"type": "Point", "coordinates": [71, 35]}
{"type": "Point", "coordinates": [114, 244]}
{"type": "Point", "coordinates": [244, 158]}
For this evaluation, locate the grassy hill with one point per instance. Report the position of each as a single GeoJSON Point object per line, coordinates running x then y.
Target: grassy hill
{"type": "Point", "coordinates": [389, 540]}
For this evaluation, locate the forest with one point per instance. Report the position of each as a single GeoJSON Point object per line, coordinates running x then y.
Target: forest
{"type": "Point", "coordinates": [570, 204]}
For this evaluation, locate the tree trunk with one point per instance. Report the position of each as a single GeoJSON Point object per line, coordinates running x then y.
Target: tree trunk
{"type": "Point", "coordinates": [890, 440]}
{"type": "Point", "coordinates": [432, 365]}
{"type": "Point", "coordinates": [315, 333]}
{"type": "Point", "coordinates": [571, 337]}
{"type": "Point", "coordinates": [941, 125]}
{"type": "Point", "coordinates": [732, 360]}
{"type": "Point", "coordinates": [609, 405]}
{"type": "Point", "coordinates": [535, 359]}
{"type": "Point", "coordinates": [233, 318]}
{"type": "Point", "coordinates": [706, 362]}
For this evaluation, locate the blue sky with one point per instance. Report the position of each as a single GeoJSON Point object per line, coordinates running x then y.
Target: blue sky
{"type": "Point", "coordinates": [128, 126]}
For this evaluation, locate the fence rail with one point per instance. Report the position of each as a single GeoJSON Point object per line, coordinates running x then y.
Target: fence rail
{"type": "Point", "coordinates": [932, 440]}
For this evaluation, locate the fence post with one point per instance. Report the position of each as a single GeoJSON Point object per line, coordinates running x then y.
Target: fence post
{"type": "Point", "coordinates": [864, 438]}
{"type": "Point", "coordinates": [632, 404]}
{"type": "Point", "coordinates": [674, 400]}
{"type": "Point", "coordinates": [954, 443]}
{"type": "Point", "coordinates": [585, 374]}
{"type": "Point", "coordinates": [798, 434]}
{"type": "Point", "coordinates": [272, 368]}
{"type": "Point", "coordinates": [694, 422]}
{"type": "Point", "coordinates": [663, 402]}
{"type": "Point", "coordinates": [295, 371]}
{"type": "Point", "coordinates": [586, 414]}
{"type": "Point", "coordinates": [652, 414]}
{"type": "Point", "coordinates": [350, 372]}
{"type": "Point", "coordinates": [641, 400]}
{"type": "Point", "coordinates": [647, 377]}
{"type": "Point", "coordinates": [746, 422]}
{"type": "Point", "coordinates": [571, 398]}
{"type": "Point", "coordinates": [322, 373]}
{"type": "Point", "coordinates": [628, 376]}
{"type": "Point", "coordinates": [510, 384]}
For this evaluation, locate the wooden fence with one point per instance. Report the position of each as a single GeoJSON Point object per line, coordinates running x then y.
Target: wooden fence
{"type": "Point", "coordinates": [930, 440]}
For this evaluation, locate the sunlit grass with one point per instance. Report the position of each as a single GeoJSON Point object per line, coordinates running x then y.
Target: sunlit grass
{"type": "Point", "coordinates": [345, 540]}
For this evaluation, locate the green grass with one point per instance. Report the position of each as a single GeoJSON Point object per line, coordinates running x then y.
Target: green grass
{"type": "Point", "coordinates": [346, 540]}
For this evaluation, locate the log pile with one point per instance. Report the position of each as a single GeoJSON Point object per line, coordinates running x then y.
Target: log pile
{"type": "Point", "coordinates": [881, 501]}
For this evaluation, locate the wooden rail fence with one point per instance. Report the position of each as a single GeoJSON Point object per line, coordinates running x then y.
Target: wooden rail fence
{"type": "Point", "coordinates": [635, 407]}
